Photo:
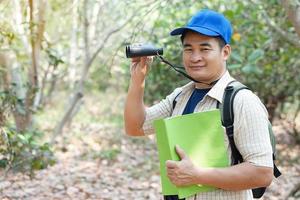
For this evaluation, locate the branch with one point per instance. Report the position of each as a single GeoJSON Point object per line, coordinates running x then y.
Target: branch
{"type": "Point", "coordinates": [108, 35]}
{"type": "Point", "coordinates": [134, 28]}
{"type": "Point", "coordinates": [130, 19]}
{"type": "Point", "coordinates": [18, 25]}
{"type": "Point", "coordinates": [86, 31]}
{"type": "Point", "coordinates": [32, 72]}
{"type": "Point", "coordinates": [143, 17]}
{"type": "Point", "coordinates": [288, 37]}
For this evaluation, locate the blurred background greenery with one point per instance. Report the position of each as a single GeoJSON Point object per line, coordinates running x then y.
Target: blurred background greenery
{"type": "Point", "coordinates": [55, 56]}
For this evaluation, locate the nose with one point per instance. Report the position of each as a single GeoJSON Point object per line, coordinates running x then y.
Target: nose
{"type": "Point", "coordinates": [196, 57]}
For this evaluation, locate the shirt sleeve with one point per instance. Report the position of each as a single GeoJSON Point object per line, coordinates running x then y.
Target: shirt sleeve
{"type": "Point", "coordinates": [160, 110]}
{"type": "Point", "coordinates": [251, 132]}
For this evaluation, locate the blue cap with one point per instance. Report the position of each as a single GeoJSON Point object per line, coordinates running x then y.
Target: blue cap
{"type": "Point", "coordinates": [208, 22]}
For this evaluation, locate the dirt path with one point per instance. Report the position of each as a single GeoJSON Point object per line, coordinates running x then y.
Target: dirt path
{"type": "Point", "coordinates": [106, 165]}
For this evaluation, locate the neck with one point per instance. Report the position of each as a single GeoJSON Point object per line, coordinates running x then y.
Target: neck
{"type": "Point", "coordinates": [202, 86]}
{"type": "Point", "coordinates": [212, 82]}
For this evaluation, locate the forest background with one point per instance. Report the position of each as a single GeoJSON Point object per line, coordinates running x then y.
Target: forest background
{"type": "Point", "coordinates": [64, 77]}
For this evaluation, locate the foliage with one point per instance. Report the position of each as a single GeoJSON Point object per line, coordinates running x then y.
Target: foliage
{"type": "Point", "coordinates": [20, 151]}
{"type": "Point", "coordinates": [7, 101]}
{"type": "Point", "coordinates": [109, 154]}
{"type": "Point", "coordinates": [23, 151]}
{"type": "Point", "coordinates": [100, 78]}
{"type": "Point", "coordinates": [262, 58]}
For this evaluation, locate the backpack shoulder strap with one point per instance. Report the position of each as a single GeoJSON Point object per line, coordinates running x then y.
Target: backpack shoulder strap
{"type": "Point", "coordinates": [229, 94]}
{"type": "Point", "coordinates": [175, 100]}
{"type": "Point", "coordinates": [227, 116]}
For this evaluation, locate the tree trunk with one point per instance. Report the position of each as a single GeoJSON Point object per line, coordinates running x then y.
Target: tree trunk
{"type": "Point", "coordinates": [72, 69]}
{"type": "Point", "coordinates": [53, 82]}
{"type": "Point", "coordinates": [43, 86]}
{"type": "Point", "coordinates": [21, 116]}
{"type": "Point", "coordinates": [24, 109]}
{"type": "Point", "coordinates": [36, 40]}
{"type": "Point", "coordinates": [293, 11]}
{"type": "Point", "coordinates": [5, 81]}
{"type": "Point", "coordinates": [59, 127]}
{"type": "Point", "coordinates": [271, 107]}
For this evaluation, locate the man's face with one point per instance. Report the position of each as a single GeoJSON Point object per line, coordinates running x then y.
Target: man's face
{"type": "Point", "coordinates": [203, 58]}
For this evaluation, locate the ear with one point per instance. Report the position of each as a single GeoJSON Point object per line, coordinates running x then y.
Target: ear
{"type": "Point", "coordinates": [226, 51]}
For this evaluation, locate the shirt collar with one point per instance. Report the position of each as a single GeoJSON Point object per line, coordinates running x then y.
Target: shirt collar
{"type": "Point", "coordinates": [217, 91]}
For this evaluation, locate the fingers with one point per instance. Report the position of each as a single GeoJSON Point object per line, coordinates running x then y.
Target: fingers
{"type": "Point", "coordinates": [171, 169]}
{"type": "Point", "coordinates": [149, 60]}
{"type": "Point", "coordinates": [136, 59]}
{"type": "Point", "coordinates": [174, 173]}
{"type": "Point", "coordinates": [142, 60]}
{"type": "Point", "coordinates": [180, 152]}
{"type": "Point", "coordinates": [170, 164]}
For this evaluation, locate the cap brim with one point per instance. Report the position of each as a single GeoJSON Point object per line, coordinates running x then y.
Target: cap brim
{"type": "Point", "coordinates": [201, 30]}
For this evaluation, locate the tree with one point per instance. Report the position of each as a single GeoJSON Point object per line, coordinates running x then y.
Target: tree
{"type": "Point", "coordinates": [25, 89]}
{"type": "Point", "coordinates": [92, 36]}
{"type": "Point", "coordinates": [20, 61]}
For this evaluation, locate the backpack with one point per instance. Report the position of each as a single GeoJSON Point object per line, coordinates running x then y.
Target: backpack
{"type": "Point", "coordinates": [227, 117]}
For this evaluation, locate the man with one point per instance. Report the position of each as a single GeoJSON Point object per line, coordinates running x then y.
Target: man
{"type": "Point", "coordinates": [206, 48]}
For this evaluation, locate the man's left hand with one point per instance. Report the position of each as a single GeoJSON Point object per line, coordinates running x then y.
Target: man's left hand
{"type": "Point", "coordinates": [183, 172]}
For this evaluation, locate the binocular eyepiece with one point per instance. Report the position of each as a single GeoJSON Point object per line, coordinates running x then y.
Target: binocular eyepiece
{"type": "Point", "coordinates": [138, 50]}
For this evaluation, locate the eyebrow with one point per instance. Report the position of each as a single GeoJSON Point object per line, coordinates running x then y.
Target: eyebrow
{"type": "Point", "coordinates": [203, 44]}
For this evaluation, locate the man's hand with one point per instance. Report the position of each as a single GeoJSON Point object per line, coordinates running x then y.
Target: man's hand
{"type": "Point", "coordinates": [139, 68]}
{"type": "Point", "coordinates": [183, 172]}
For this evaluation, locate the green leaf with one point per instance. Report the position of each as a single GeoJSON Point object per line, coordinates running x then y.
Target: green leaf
{"type": "Point", "coordinates": [3, 163]}
{"type": "Point", "coordinates": [38, 164]}
{"type": "Point", "coordinates": [256, 55]}
{"type": "Point", "coordinates": [234, 66]}
{"type": "Point", "coordinates": [229, 13]}
{"type": "Point", "coordinates": [251, 69]}
{"type": "Point", "coordinates": [22, 138]}
{"type": "Point", "coordinates": [236, 57]}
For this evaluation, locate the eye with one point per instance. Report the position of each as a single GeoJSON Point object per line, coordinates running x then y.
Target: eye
{"type": "Point", "coordinates": [205, 49]}
{"type": "Point", "coordinates": [187, 50]}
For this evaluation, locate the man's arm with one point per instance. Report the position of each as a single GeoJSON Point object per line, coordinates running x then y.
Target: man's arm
{"type": "Point", "coordinates": [134, 112]}
{"type": "Point", "coordinates": [238, 177]}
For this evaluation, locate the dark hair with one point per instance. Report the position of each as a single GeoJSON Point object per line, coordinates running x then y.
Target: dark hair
{"type": "Point", "coordinates": [220, 40]}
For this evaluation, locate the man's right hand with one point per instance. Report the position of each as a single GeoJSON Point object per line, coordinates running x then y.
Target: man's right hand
{"type": "Point", "coordinates": [139, 69]}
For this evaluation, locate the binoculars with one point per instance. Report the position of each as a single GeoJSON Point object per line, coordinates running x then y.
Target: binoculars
{"type": "Point", "coordinates": [138, 50]}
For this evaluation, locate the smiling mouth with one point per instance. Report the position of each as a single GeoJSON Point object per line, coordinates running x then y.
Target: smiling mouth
{"type": "Point", "coordinates": [196, 67]}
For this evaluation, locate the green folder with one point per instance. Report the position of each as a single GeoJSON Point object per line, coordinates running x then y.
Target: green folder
{"type": "Point", "coordinates": [201, 136]}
